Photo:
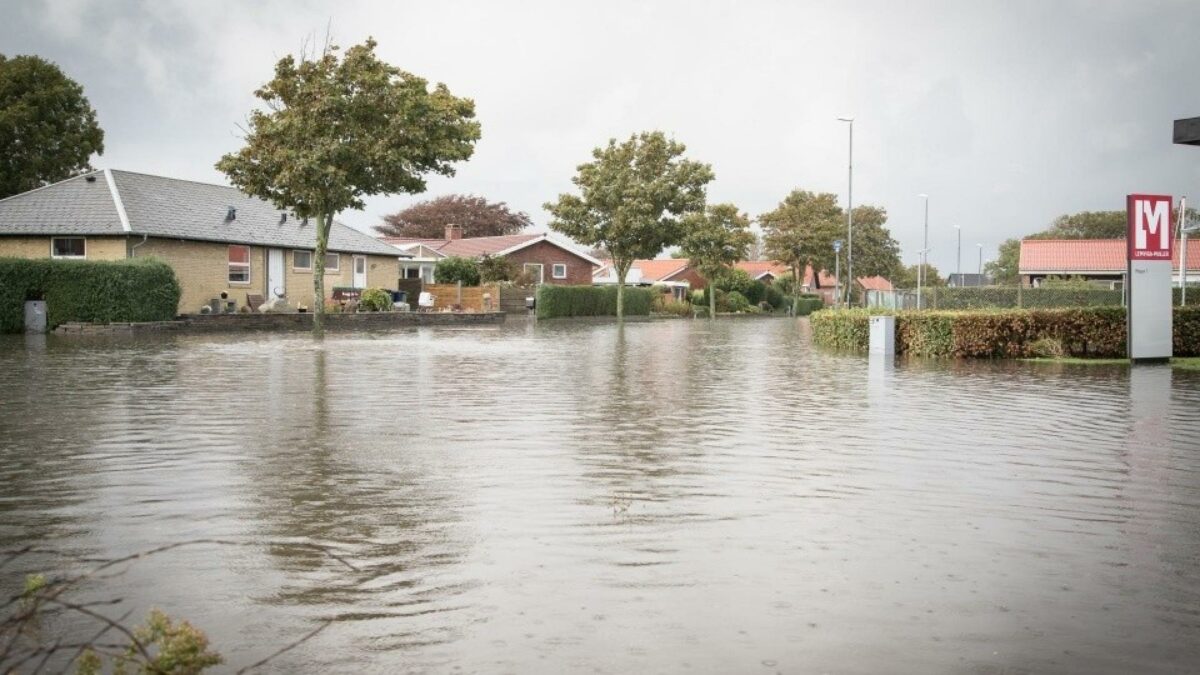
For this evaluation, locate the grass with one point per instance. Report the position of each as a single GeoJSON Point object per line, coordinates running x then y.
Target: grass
{"type": "Point", "coordinates": [1182, 363]}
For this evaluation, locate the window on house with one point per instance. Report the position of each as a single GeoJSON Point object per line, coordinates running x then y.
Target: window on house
{"type": "Point", "coordinates": [302, 260]}
{"type": "Point", "coordinates": [412, 272]}
{"type": "Point", "coordinates": [333, 262]}
{"type": "Point", "coordinates": [239, 264]}
{"type": "Point", "coordinates": [559, 271]}
{"type": "Point", "coordinates": [68, 247]}
{"type": "Point", "coordinates": [535, 272]}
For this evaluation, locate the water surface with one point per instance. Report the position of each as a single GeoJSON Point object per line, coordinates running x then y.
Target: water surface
{"type": "Point", "coordinates": [566, 497]}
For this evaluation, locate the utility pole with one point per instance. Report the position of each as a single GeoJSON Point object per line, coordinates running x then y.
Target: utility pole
{"type": "Point", "coordinates": [850, 213]}
{"type": "Point", "coordinates": [924, 252]}
{"type": "Point", "coordinates": [958, 269]}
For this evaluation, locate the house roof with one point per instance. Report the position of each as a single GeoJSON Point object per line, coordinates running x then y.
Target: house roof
{"type": "Point", "coordinates": [757, 269]}
{"type": "Point", "coordinates": [648, 270]}
{"type": "Point", "coordinates": [112, 202]}
{"type": "Point", "coordinates": [1073, 256]}
{"type": "Point", "coordinates": [875, 283]}
{"type": "Point", "coordinates": [474, 247]}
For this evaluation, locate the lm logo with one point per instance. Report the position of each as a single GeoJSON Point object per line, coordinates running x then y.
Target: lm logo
{"type": "Point", "coordinates": [1149, 227]}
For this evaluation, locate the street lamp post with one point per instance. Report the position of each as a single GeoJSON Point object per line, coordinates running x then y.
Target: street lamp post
{"type": "Point", "coordinates": [979, 273]}
{"type": "Point", "coordinates": [958, 270]}
{"type": "Point", "coordinates": [924, 252]}
{"type": "Point", "coordinates": [850, 211]}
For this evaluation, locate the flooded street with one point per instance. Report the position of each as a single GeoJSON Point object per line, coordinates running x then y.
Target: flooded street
{"type": "Point", "coordinates": [567, 497]}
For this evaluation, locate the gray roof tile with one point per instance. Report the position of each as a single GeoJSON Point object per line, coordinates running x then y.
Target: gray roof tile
{"type": "Point", "coordinates": [170, 208]}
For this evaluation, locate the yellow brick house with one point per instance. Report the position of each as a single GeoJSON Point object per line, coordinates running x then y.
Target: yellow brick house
{"type": "Point", "coordinates": [218, 239]}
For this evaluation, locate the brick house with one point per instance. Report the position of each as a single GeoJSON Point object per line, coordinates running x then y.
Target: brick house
{"type": "Point", "coordinates": [216, 238]}
{"type": "Point", "coordinates": [676, 274]}
{"type": "Point", "coordinates": [546, 260]}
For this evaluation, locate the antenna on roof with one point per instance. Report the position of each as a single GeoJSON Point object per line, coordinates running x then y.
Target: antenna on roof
{"type": "Point", "coordinates": [283, 217]}
{"type": "Point", "coordinates": [231, 214]}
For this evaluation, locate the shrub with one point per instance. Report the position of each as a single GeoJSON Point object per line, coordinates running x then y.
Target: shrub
{"type": "Point", "coordinates": [665, 304]}
{"type": "Point", "coordinates": [736, 302]}
{"type": "Point", "coordinates": [554, 301]}
{"type": "Point", "coordinates": [495, 268]}
{"type": "Point", "coordinates": [455, 269]}
{"type": "Point", "coordinates": [734, 280]}
{"type": "Point", "coordinates": [1047, 348]}
{"type": "Point", "coordinates": [142, 289]}
{"type": "Point", "coordinates": [1018, 333]}
{"type": "Point", "coordinates": [774, 296]}
{"type": "Point", "coordinates": [375, 300]}
{"type": "Point", "coordinates": [807, 303]}
{"type": "Point", "coordinates": [697, 297]}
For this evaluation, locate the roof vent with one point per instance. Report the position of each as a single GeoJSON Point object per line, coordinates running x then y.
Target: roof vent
{"type": "Point", "coordinates": [91, 178]}
{"type": "Point", "coordinates": [283, 217]}
{"type": "Point", "coordinates": [231, 214]}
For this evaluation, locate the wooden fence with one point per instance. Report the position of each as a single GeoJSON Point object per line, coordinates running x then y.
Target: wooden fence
{"type": "Point", "coordinates": [464, 298]}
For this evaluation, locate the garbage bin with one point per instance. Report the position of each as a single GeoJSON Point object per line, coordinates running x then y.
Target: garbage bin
{"type": "Point", "coordinates": [35, 316]}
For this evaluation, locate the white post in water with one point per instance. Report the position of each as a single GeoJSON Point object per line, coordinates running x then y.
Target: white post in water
{"type": "Point", "coordinates": [1149, 277]}
{"type": "Point", "coordinates": [883, 336]}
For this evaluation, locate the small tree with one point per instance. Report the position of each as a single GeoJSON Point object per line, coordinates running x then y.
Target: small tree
{"type": "Point", "coordinates": [336, 130]}
{"type": "Point", "coordinates": [455, 269]}
{"type": "Point", "coordinates": [477, 216]}
{"type": "Point", "coordinates": [48, 129]}
{"type": "Point", "coordinates": [495, 268]}
{"type": "Point", "coordinates": [714, 240]}
{"type": "Point", "coordinates": [632, 197]}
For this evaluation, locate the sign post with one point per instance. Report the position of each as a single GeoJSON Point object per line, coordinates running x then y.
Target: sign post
{"type": "Point", "coordinates": [837, 271]}
{"type": "Point", "coordinates": [1149, 277]}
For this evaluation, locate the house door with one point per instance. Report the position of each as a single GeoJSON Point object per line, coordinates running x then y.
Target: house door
{"type": "Point", "coordinates": [276, 285]}
{"type": "Point", "coordinates": [360, 271]}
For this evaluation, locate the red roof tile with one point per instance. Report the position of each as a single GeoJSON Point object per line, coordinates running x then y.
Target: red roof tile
{"type": "Point", "coordinates": [757, 268]}
{"type": "Point", "coordinates": [1088, 255]}
{"type": "Point", "coordinates": [875, 283]}
{"type": "Point", "coordinates": [473, 247]}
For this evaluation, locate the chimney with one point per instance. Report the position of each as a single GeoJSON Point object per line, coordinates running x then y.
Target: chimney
{"type": "Point", "coordinates": [453, 232]}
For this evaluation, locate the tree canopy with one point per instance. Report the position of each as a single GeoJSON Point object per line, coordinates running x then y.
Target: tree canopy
{"type": "Point", "coordinates": [1005, 269]}
{"type": "Point", "coordinates": [906, 277]}
{"type": "Point", "coordinates": [632, 197]}
{"type": "Point", "coordinates": [477, 216]}
{"type": "Point", "coordinates": [1086, 225]}
{"type": "Point", "coordinates": [48, 129]}
{"type": "Point", "coordinates": [713, 240]}
{"type": "Point", "coordinates": [338, 129]}
{"type": "Point", "coordinates": [454, 269]}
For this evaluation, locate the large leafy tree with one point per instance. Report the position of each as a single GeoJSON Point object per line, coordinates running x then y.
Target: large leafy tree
{"type": "Point", "coordinates": [800, 232]}
{"type": "Point", "coordinates": [713, 240]}
{"type": "Point", "coordinates": [632, 197]}
{"type": "Point", "coordinates": [1086, 225]}
{"type": "Point", "coordinates": [338, 129]}
{"type": "Point", "coordinates": [906, 277]}
{"type": "Point", "coordinates": [1006, 268]}
{"type": "Point", "coordinates": [48, 129]}
{"type": "Point", "coordinates": [477, 216]}
{"type": "Point", "coordinates": [875, 251]}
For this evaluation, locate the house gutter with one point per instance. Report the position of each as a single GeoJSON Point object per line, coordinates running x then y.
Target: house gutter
{"type": "Point", "coordinates": [134, 248]}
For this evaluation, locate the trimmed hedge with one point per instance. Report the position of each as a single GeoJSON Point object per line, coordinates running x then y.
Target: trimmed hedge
{"type": "Point", "coordinates": [1085, 331]}
{"type": "Point", "coordinates": [143, 289]}
{"type": "Point", "coordinates": [554, 301]}
{"type": "Point", "coordinates": [1012, 297]}
{"type": "Point", "coordinates": [807, 303]}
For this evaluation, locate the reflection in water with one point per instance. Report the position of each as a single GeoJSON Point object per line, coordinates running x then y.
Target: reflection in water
{"type": "Point", "coordinates": [658, 496]}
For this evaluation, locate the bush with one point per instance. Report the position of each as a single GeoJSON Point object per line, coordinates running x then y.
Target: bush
{"type": "Point", "coordinates": [455, 269]}
{"type": "Point", "coordinates": [736, 302]}
{"type": "Point", "coordinates": [734, 280]}
{"type": "Point", "coordinates": [665, 304]}
{"type": "Point", "coordinates": [774, 297]}
{"type": "Point", "coordinates": [1018, 333]}
{"type": "Point", "coordinates": [375, 300]}
{"type": "Point", "coordinates": [493, 269]}
{"type": "Point", "coordinates": [1047, 348]}
{"type": "Point", "coordinates": [807, 303]}
{"type": "Point", "coordinates": [554, 301]}
{"type": "Point", "coordinates": [142, 289]}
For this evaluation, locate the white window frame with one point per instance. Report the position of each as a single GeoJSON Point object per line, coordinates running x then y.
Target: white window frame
{"type": "Point", "coordinates": [541, 270]}
{"type": "Point", "coordinates": [297, 268]}
{"type": "Point", "coordinates": [554, 271]}
{"type": "Point", "coordinates": [68, 257]}
{"type": "Point", "coordinates": [337, 263]}
{"type": "Point", "coordinates": [232, 265]}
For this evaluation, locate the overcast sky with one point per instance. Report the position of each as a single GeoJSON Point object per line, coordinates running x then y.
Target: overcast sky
{"type": "Point", "coordinates": [1007, 114]}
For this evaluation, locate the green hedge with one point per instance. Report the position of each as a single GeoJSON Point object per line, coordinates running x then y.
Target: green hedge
{"type": "Point", "coordinates": [808, 303]}
{"type": "Point", "coordinates": [1012, 297]}
{"type": "Point", "coordinates": [555, 301]}
{"type": "Point", "coordinates": [143, 289]}
{"type": "Point", "coordinates": [1085, 331]}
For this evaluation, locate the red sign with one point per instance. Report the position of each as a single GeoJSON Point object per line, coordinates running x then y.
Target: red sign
{"type": "Point", "coordinates": [1150, 231]}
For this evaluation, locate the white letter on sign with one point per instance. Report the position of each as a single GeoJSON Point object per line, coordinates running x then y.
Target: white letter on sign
{"type": "Point", "coordinates": [1152, 218]}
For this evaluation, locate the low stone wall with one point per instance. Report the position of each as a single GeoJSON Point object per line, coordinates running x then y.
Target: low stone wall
{"type": "Point", "coordinates": [214, 323]}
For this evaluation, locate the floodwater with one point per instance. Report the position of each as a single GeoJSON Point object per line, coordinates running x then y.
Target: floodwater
{"type": "Point", "coordinates": [669, 496]}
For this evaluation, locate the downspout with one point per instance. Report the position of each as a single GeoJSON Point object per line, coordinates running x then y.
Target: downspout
{"type": "Point", "coordinates": [133, 249]}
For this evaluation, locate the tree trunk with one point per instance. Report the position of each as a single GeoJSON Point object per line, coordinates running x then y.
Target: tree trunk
{"type": "Point", "coordinates": [622, 271]}
{"type": "Point", "coordinates": [324, 224]}
{"type": "Point", "coordinates": [712, 301]}
{"type": "Point", "coordinates": [795, 289]}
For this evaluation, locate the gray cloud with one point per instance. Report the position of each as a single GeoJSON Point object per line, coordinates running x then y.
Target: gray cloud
{"type": "Point", "coordinates": [1006, 113]}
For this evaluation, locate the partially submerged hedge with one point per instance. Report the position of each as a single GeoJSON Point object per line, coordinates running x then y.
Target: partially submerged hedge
{"type": "Point", "coordinates": [143, 289]}
{"type": "Point", "coordinates": [555, 301]}
{"type": "Point", "coordinates": [1013, 297]}
{"type": "Point", "coordinates": [1085, 331]}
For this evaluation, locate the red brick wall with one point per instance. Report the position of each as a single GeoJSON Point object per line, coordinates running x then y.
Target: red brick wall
{"type": "Point", "coordinates": [579, 271]}
{"type": "Point", "coordinates": [691, 276]}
